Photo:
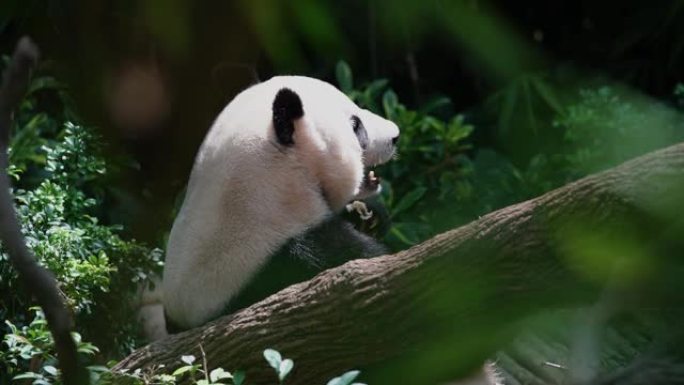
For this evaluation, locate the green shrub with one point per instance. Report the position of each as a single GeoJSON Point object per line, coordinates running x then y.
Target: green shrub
{"type": "Point", "coordinates": [200, 374]}
{"type": "Point", "coordinates": [33, 344]}
{"type": "Point", "coordinates": [430, 151]}
{"type": "Point", "coordinates": [607, 125]}
{"type": "Point", "coordinates": [440, 181]}
{"type": "Point", "coordinates": [59, 171]}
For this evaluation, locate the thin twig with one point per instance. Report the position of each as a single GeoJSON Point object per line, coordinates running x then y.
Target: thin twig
{"type": "Point", "coordinates": [204, 363]}
{"type": "Point", "coordinates": [38, 281]}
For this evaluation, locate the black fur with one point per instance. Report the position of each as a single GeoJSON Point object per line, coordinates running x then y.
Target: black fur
{"type": "Point", "coordinates": [172, 327]}
{"type": "Point", "coordinates": [330, 244]}
{"type": "Point", "coordinates": [287, 107]}
{"type": "Point", "coordinates": [360, 131]}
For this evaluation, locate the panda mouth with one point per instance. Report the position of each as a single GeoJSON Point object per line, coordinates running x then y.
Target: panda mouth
{"type": "Point", "coordinates": [370, 186]}
{"type": "Point", "coordinates": [371, 182]}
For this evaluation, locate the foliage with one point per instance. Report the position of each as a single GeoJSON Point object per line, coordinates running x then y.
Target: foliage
{"type": "Point", "coordinates": [33, 343]}
{"type": "Point", "coordinates": [199, 373]}
{"type": "Point", "coordinates": [428, 148]}
{"type": "Point", "coordinates": [441, 180]}
{"type": "Point", "coordinates": [607, 125]}
{"type": "Point", "coordinates": [59, 171]}
{"type": "Point", "coordinates": [282, 367]}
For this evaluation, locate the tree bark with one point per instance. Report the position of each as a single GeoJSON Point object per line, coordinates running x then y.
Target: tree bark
{"type": "Point", "coordinates": [451, 301]}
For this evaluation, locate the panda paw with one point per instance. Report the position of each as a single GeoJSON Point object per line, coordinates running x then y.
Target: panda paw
{"type": "Point", "coordinates": [361, 209]}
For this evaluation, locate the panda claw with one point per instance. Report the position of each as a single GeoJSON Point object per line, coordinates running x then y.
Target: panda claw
{"type": "Point", "coordinates": [361, 209]}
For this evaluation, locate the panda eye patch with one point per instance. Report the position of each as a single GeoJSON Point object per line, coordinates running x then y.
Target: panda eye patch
{"type": "Point", "coordinates": [360, 131]}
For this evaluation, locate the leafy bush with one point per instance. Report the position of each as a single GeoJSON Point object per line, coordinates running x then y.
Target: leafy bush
{"type": "Point", "coordinates": [441, 181]}
{"type": "Point", "coordinates": [33, 343]}
{"type": "Point", "coordinates": [59, 171]}
{"type": "Point", "coordinates": [429, 150]}
{"type": "Point", "coordinates": [607, 125]}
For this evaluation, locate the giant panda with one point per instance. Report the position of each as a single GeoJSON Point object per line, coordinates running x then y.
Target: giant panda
{"type": "Point", "coordinates": [279, 162]}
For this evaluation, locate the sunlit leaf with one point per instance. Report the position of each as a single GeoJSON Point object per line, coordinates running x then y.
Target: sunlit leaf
{"type": "Point", "coordinates": [189, 359]}
{"type": "Point", "coordinates": [182, 369]}
{"type": "Point", "coordinates": [27, 375]}
{"type": "Point", "coordinates": [285, 368]}
{"type": "Point", "coordinates": [345, 379]}
{"type": "Point", "coordinates": [219, 374]}
{"type": "Point", "coordinates": [273, 358]}
{"type": "Point", "coordinates": [51, 370]}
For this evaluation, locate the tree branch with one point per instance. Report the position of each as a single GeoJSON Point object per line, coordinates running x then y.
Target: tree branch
{"type": "Point", "coordinates": [454, 298]}
{"type": "Point", "coordinates": [38, 281]}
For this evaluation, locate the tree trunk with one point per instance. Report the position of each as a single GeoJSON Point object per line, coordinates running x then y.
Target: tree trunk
{"type": "Point", "coordinates": [450, 302]}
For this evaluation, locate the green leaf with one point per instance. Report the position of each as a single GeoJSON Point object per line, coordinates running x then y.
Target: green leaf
{"type": "Point", "coordinates": [97, 368]}
{"type": "Point", "coordinates": [44, 83]}
{"type": "Point", "coordinates": [202, 382]}
{"type": "Point", "coordinates": [273, 357]}
{"type": "Point", "coordinates": [405, 233]}
{"type": "Point", "coordinates": [510, 98]}
{"type": "Point", "coordinates": [435, 104]}
{"type": "Point", "coordinates": [51, 370]}
{"type": "Point", "coordinates": [182, 370]}
{"type": "Point", "coordinates": [189, 359]}
{"type": "Point", "coordinates": [348, 377]}
{"type": "Point", "coordinates": [547, 94]}
{"type": "Point", "coordinates": [344, 77]}
{"type": "Point", "coordinates": [408, 200]}
{"type": "Point", "coordinates": [376, 86]}
{"type": "Point", "coordinates": [219, 374]}
{"type": "Point", "coordinates": [345, 379]}
{"type": "Point", "coordinates": [164, 378]}
{"type": "Point", "coordinates": [389, 103]}
{"type": "Point", "coordinates": [87, 348]}
{"type": "Point", "coordinates": [458, 130]}
{"type": "Point", "coordinates": [285, 368]}
{"type": "Point", "coordinates": [238, 377]}
{"type": "Point", "coordinates": [27, 375]}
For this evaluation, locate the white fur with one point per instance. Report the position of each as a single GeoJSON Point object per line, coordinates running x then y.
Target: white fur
{"type": "Point", "coordinates": [247, 194]}
{"type": "Point", "coordinates": [151, 311]}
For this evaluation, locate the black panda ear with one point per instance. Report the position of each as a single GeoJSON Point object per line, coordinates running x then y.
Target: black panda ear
{"type": "Point", "coordinates": [287, 107]}
{"type": "Point", "coordinates": [360, 131]}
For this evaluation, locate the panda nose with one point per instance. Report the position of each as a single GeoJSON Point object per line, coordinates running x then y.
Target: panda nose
{"type": "Point", "coordinates": [395, 140]}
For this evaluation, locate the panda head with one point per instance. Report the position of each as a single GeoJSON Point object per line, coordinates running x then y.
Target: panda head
{"type": "Point", "coordinates": [333, 138]}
